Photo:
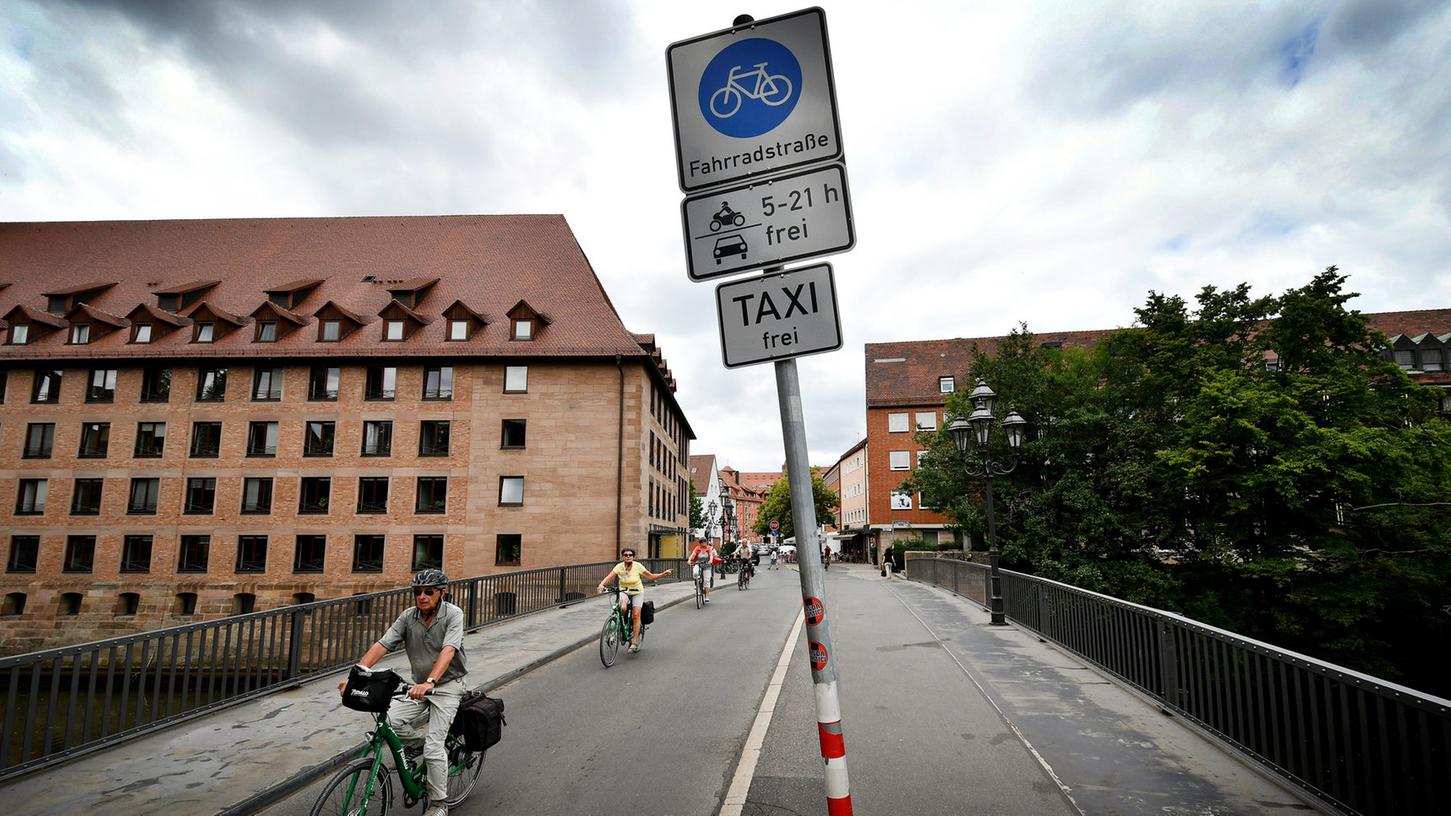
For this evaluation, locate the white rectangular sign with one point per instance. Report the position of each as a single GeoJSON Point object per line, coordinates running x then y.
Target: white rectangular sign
{"type": "Point", "coordinates": [769, 223]}
{"type": "Point", "coordinates": [776, 316]}
{"type": "Point", "coordinates": [753, 99]}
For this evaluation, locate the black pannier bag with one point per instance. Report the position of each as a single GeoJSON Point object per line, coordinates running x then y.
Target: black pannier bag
{"type": "Point", "coordinates": [370, 690]}
{"type": "Point", "coordinates": [647, 613]}
{"type": "Point", "coordinates": [480, 721]}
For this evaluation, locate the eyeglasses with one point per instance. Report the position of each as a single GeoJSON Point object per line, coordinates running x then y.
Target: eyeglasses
{"type": "Point", "coordinates": [627, 555]}
{"type": "Point", "coordinates": [429, 591]}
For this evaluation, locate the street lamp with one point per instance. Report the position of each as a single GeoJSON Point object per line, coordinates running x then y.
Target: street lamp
{"type": "Point", "coordinates": [977, 430]}
{"type": "Point", "coordinates": [709, 519]}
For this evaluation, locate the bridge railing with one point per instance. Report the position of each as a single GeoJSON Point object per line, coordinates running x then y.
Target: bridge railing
{"type": "Point", "coordinates": [1364, 745]}
{"type": "Point", "coordinates": [63, 702]}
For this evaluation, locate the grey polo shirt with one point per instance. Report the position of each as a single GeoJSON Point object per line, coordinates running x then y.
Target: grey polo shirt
{"type": "Point", "coordinates": [424, 642]}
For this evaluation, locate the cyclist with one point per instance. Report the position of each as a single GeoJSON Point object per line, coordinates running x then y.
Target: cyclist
{"type": "Point", "coordinates": [631, 576]}
{"type": "Point", "coordinates": [704, 558]}
{"type": "Point", "coordinates": [775, 553]}
{"type": "Point", "coordinates": [746, 557]}
{"type": "Point", "coordinates": [432, 633]}
{"type": "Point", "coordinates": [826, 556]}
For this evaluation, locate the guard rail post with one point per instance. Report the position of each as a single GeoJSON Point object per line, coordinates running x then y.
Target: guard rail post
{"type": "Point", "coordinates": [294, 645]}
{"type": "Point", "coordinates": [1168, 666]}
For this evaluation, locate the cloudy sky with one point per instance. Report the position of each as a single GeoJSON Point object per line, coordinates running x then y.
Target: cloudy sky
{"type": "Point", "coordinates": [1040, 162]}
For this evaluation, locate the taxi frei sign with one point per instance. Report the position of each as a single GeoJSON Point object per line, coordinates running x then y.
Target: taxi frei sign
{"type": "Point", "coordinates": [759, 154]}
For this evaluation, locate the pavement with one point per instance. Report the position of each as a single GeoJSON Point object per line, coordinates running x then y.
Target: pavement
{"type": "Point", "coordinates": [245, 757]}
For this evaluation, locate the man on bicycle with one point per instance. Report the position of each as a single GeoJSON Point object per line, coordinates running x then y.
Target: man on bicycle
{"type": "Point", "coordinates": [632, 576]}
{"type": "Point", "coordinates": [745, 555]}
{"type": "Point", "coordinates": [703, 558]}
{"type": "Point", "coordinates": [432, 633]}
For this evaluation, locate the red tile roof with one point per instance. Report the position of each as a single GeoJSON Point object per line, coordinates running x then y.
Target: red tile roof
{"type": "Point", "coordinates": [488, 262]}
{"type": "Point", "coordinates": [700, 465]}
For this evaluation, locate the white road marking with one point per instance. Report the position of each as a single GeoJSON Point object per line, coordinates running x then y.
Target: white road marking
{"type": "Point", "coordinates": [735, 798]}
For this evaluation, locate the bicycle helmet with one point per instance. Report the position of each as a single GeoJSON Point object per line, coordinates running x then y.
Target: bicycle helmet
{"type": "Point", "coordinates": [430, 578]}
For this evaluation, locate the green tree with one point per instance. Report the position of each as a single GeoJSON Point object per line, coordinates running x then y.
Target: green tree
{"type": "Point", "coordinates": [777, 506]}
{"type": "Point", "coordinates": [697, 513]}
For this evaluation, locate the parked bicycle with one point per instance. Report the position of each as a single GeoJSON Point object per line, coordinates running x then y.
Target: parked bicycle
{"type": "Point", "coordinates": [617, 629]}
{"type": "Point", "coordinates": [364, 786]}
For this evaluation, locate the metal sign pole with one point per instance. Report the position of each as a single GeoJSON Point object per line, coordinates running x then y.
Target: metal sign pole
{"type": "Point", "coordinates": [808, 556]}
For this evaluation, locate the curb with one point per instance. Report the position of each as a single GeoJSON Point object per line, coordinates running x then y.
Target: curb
{"type": "Point", "coordinates": [270, 796]}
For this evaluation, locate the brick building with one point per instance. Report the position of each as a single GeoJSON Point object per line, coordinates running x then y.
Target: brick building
{"type": "Point", "coordinates": [208, 417]}
{"type": "Point", "coordinates": [747, 502]}
{"type": "Point", "coordinates": [907, 385]}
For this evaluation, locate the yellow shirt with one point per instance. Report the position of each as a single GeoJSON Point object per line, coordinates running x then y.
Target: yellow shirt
{"type": "Point", "coordinates": [631, 581]}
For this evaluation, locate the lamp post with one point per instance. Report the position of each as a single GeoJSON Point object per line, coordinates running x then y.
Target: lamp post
{"type": "Point", "coordinates": [709, 519]}
{"type": "Point", "coordinates": [977, 430]}
{"type": "Point", "coordinates": [727, 519]}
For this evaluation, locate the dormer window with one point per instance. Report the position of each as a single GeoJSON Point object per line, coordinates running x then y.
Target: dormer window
{"type": "Point", "coordinates": [458, 329]}
{"type": "Point", "coordinates": [141, 333]}
{"type": "Point", "coordinates": [205, 332]}
{"type": "Point", "coordinates": [523, 329]}
{"type": "Point", "coordinates": [393, 330]}
{"type": "Point", "coordinates": [58, 304]}
{"type": "Point", "coordinates": [330, 331]}
{"type": "Point", "coordinates": [283, 299]}
{"type": "Point", "coordinates": [170, 303]}
{"type": "Point", "coordinates": [81, 334]}
{"type": "Point", "coordinates": [19, 335]}
{"type": "Point", "coordinates": [267, 331]}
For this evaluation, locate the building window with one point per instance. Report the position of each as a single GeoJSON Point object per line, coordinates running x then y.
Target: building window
{"type": "Point", "coordinates": [206, 440]}
{"type": "Point", "coordinates": [901, 501]}
{"type": "Point", "coordinates": [899, 460]}
{"type": "Point", "coordinates": [367, 553]}
{"type": "Point", "coordinates": [313, 497]}
{"type": "Point", "coordinates": [47, 386]}
{"type": "Point", "coordinates": [150, 440]}
{"type": "Point", "coordinates": [373, 494]}
{"type": "Point", "coordinates": [186, 603]}
{"type": "Point", "coordinates": [205, 333]}
{"type": "Point", "coordinates": [511, 490]}
{"type": "Point", "coordinates": [81, 334]}
{"type": "Point", "coordinates": [433, 437]}
{"type": "Point", "coordinates": [267, 331]}
{"type": "Point", "coordinates": [86, 497]}
{"type": "Point", "coordinates": [303, 597]}
{"type": "Point", "coordinates": [136, 553]}
{"type": "Point", "coordinates": [382, 383]}
{"type": "Point", "coordinates": [927, 420]}
{"type": "Point", "coordinates": [309, 555]}
{"type": "Point", "coordinates": [1405, 358]}
{"type": "Point", "coordinates": [438, 383]}
{"type": "Point", "coordinates": [262, 439]}
{"type": "Point", "coordinates": [80, 553]}
{"type": "Point", "coordinates": [257, 495]}
{"type": "Point", "coordinates": [377, 437]}
{"type": "Point", "coordinates": [946, 385]}
{"type": "Point", "coordinates": [897, 423]}
{"type": "Point", "coordinates": [4, 384]}
{"type": "Point", "coordinates": [513, 435]}
{"type": "Point", "coordinates": [267, 385]}
{"type": "Point", "coordinates": [211, 385]}
{"type": "Point", "coordinates": [39, 440]}
{"type": "Point", "coordinates": [141, 333]}
{"type": "Point", "coordinates": [516, 379]}
{"type": "Point", "coordinates": [318, 439]}
{"type": "Point", "coordinates": [244, 603]}
{"type": "Point", "coordinates": [192, 555]}
{"type": "Point", "coordinates": [24, 553]}
{"type": "Point", "coordinates": [392, 330]}
{"type": "Point", "coordinates": [432, 494]}
{"type": "Point", "coordinates": [201, 495]}
{"type": "Point", "coordinates": [14, 604]}
{"type": "Point", "coordinates": [95, 440]}
{"type": "Point", "coordinates": [523, 329]}
{"type": "Point", "coordinates": [251, 554]}
{"type": "Point", "coordinates": [156, 385]}
{"type": "Point", "coordinates": [19, 334]}
{"type": "Point", "coordinates": [322, 384]}
{"type": "Point", "coordinates": [70, 603]}
{"type": "Point", "coordinates": [1431, 360]}
{"type": "Point", "coordinates": [143, 498]}
{"type": "Point", "coordinates": [427, 552]}
{"type": "Point", "coordinates": [458, 329]}
{"type": "Point", "coordinates": [508, 549]}
{"type": "Point", "coordinates": [330, 331]}
{"type": "Point", "coordinates": [102, 387]}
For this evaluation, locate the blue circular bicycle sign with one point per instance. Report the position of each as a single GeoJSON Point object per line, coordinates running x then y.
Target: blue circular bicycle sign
{"type": "Point", "coordinates": [750, 87]}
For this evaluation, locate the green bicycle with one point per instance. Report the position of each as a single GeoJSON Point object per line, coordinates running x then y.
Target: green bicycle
{"type": "Point", "coordinates": [617, 629]}
{"type": "Point", "coordinates": [364, 786]}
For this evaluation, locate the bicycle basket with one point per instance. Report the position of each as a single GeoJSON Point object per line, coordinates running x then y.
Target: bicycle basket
{"type": "Point", "coordinates": [370, 690]}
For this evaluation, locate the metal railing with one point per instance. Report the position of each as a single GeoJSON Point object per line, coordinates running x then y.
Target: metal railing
{"type": "Point", "coordinates": [64, 702]}
{"type": "Point", "coordinates": [1363, 745]}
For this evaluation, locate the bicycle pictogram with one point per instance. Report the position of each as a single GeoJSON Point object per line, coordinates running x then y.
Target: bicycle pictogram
{"type": "Point", "coordinates": [772, 89]}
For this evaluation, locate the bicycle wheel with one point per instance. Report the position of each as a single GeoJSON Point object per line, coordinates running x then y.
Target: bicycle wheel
{"type": "Point", "coordinates": [699, 593]}
{"type": "Point", "coordinates": [775, 89]}
{"type": "Point", "coordinates": [344, 794]}
{"type": "Point", "coordinates": [725, 102]}
{"type": "Point", "coordinates": [741, 579]}
{"type": "Point", "coordinates": [464, 769]}
{"type": "Point", "coordinates": [610, 641]}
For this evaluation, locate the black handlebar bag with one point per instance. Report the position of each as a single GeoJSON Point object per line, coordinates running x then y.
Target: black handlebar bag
{"type": "Point", "coordinates": [370, 690]}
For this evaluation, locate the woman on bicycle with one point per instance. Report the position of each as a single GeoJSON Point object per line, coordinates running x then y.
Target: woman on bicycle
{"type": "Point", "coordinates": [746, 556]}
{"type": "Point", "coordinates": [631, 576]}
{"type": "Point", "coordinates": [703, 560]}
